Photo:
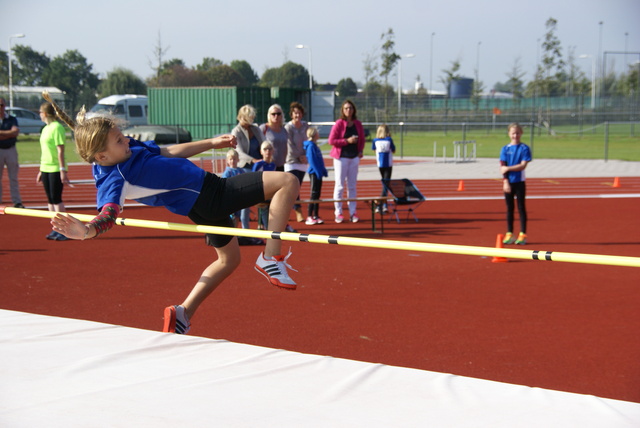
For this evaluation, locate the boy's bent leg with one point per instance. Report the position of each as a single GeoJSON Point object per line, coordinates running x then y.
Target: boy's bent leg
{"type": "Point", "coordinates": [282, 189]}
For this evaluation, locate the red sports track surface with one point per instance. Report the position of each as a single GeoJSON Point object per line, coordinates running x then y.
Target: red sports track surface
{"type": "Point", "coordinates": [564, 326]}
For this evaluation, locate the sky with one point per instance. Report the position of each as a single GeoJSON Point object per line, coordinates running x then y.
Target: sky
{"type": "Point", "coordinates": [489, 36]}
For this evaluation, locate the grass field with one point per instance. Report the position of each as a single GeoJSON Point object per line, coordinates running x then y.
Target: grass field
{"type": "Point", "coordinates": [568, 143]}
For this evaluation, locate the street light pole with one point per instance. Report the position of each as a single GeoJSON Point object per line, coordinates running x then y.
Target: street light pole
{"type": "Point", "coordinates": [400, 79]}
{"type": "Point", "coordinates": [15, 36]}
{"type": "Point", "coordinates": [593, 79]}
{"type": "Point", "coordinates": [478, 69]}
{"type": "Point", "coordinates": [431, 65]}
{"type": "Point", "coordinates": [599, 61]}
{"type": "Point", "coordinates": [310, 63]}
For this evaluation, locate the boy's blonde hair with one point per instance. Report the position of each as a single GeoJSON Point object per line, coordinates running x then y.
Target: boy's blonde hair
{"type": "Point", "coordinates": [383, 131]}
{"type": "Point", "coordinates": [90, 134]}
{"type": "Point", "coordinates": [232, 153]}
{"type": "Point", "coordinates": [311, 132]}
{"type": "Point", "coordinates": [266, 143]}
{"type": "Point", "coordinates": [515, 125]}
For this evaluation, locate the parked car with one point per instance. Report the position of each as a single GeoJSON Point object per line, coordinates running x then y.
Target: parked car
{"type": "Point", "coordinates": [132, 109]}
{"type": "Point", "coordinates": [28, 121]}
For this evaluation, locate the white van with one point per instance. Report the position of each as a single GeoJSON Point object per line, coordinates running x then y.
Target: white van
{"type": "Point", "coordinates": [133, 109]}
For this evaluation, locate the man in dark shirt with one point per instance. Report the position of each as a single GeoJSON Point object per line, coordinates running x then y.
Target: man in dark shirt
{"type": "Point", "coordinates": [9, 154]}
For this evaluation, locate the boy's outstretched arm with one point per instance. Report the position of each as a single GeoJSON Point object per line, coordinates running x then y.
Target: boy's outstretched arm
{"type": "Point", "coordinates": [186, 150]}
{"type": "Point", "coordinates": [73, 228]}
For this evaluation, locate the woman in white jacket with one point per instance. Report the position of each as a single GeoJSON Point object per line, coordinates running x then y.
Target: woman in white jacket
{"type": "Point", "coordinates": [249, 137]}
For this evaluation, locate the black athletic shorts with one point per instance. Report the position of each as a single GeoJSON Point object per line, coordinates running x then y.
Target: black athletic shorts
{"type": "Point", "coordinates": [221, 197]}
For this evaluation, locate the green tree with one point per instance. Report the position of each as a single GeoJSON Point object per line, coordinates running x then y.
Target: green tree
{"type": "Point", "coordinates": [450, 75]}
{"type": "Point", "coordinates": [121, 81]}
{"type": "Point", "coordinates": [573, 75]}
{"type": "Point", "coordinates": [29, 66]}
{"type": "Point", "coordinates": [388, 58]}
{"type": "Point", "coordinates": [376, 89]}
{"type": "Point", "coordinates": [244, 69]}
{"type": "Point", "coordinates": [158, 53]}
{"type": "Point", "coordinates": [177, 75]}
{"type": "Point", "coordinates": [208, 63]}
{"type": "Point", "coordinates": [347, 88]}
{"type": "Point", "coordinates": [167, 65]}
{"type": "Point", "coordinates": [476, 92]}
{"type": "Point", "coordinates": [224, 75]}
{"type": "Point", "coordinates": [4, 68]}
{"type": "Point", "coordinates": [288, 75]}
{"type": "Point", "coordinates": [515, 83]}
{"type": "Point", "coordinates": [552, 62]}
{"type": "Point", "coordinates": [632, 79]}
{"type": "Point", "coordinates": [71, 73]}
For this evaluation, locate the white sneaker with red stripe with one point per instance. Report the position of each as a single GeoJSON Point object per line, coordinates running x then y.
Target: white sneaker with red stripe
{"type": "Point", "coordinates": [275, 270]}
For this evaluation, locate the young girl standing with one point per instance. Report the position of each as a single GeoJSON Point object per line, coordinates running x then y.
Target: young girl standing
{"type": "Point", "coordinates": [514, 159]}
{"type": "Point", "coordinates": [125, 168]}
{"type": "Point", "coordinates": [231, 170]}
{"type": "Point", "coordinates": [384, 148]}
{"type": "Point", "coordinates": [317, 170]}
{"type": "Point", "coordinates": [53, 167]}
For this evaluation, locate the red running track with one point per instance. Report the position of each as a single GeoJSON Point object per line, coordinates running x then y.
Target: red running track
{"type": "Point", "coordinates": [562, 326]}
{"type": "Point", "coordinates": [84, 194]}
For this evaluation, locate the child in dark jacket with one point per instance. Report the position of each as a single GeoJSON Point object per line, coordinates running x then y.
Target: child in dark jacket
{"type": "Point", "coordinates": [316, 171]}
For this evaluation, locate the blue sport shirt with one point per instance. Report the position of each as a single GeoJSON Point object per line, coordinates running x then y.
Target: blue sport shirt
{"type": "Point", "coordinates": [513, 154]}
{"type": "Point", "coordinates": [384, 148]}
{"type": "Point", "coordinates": [150, 179]}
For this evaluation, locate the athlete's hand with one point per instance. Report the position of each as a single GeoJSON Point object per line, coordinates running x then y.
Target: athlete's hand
{"type": "Point", "coordinates": [69, 226]}
{"type": "Point", "coordinates": [223, 141]}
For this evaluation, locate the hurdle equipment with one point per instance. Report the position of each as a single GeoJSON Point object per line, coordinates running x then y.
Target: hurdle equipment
{"type": "Point", "coordinates": [599, 259]}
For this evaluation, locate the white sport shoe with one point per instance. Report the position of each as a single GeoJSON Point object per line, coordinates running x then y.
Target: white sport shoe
{"type": "Point", "coordinates": [275, 270]}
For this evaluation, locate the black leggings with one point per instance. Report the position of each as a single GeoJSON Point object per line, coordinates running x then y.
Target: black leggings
{"type": "Point", "coordinates": [52, 187]}
{"type": "Point", "coordinates": [519, 191]}
{"type": "Point", "coordinates": [385, 173]}
{"type": "Point", "coordinates": [316, 190]}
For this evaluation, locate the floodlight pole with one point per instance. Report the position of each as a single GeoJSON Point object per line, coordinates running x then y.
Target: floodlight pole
{"type": "Point", "coordinates": [15, 36]}
{"type": "Point", "coordinates": [593, 79]}
{"type": "Point", "coordinates": [400, 80]}
{"type": "Point", "coordinates": [310, 64]}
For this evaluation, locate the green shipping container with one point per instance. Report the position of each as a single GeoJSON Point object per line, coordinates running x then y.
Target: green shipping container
{"type": "Point", "coordinates": [210, 111]}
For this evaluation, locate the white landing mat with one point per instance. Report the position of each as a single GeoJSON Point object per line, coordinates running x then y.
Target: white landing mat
{"type": "Point", "coordinates": [58, 372]}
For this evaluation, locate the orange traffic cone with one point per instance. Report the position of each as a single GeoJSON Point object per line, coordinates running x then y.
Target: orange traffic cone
{"type": "Point", "coordinates": [461, 186]}
{"type": "Point", "coordinates": [616, 182]}
{"type": "Point", "coordinates": [499, 245]}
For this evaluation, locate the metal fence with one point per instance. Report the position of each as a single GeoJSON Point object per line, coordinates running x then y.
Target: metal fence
{"type": "Point", "coordinates": [553, 110]}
